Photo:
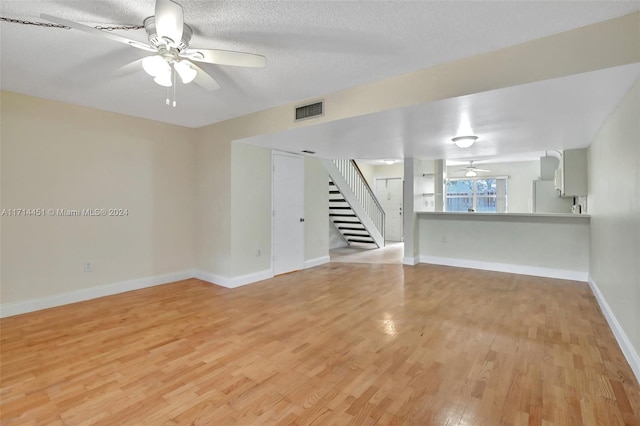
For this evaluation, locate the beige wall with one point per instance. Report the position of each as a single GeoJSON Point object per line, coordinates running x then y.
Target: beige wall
{"type": "Point", "coordinates": [553, 243]}
{"type": "Point", "coordinates": [614, 204]}
{"type": "Point", "coordinates": [382, 171]}
{"type": "Point", "coordinates": [316, 210]}
{"type": "Point", "coordinates": [213, 205]}
{"type": "Point", "coordinates": [367, 171]}
{"type": "Point", "coordinates": [66, 157]}
{"type": "Point", "coordinates": [250, 209]}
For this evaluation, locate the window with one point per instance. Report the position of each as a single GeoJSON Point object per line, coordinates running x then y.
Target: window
{"type": "Point", "coordinates": [477, 194]}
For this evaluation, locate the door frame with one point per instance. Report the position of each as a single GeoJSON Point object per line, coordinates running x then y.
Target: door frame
{"type": "Point", "coordinates": [273, 231]}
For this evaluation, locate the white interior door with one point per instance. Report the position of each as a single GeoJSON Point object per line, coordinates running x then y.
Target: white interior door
{"type": "Point", "coordinates": [389, 193]}
{"type": "Point", "coordinates": [288, 213]}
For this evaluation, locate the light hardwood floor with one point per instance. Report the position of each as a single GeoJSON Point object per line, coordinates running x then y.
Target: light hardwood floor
{"type": "Point", "coordinates": [336, 344]}
{"type": "Point", "coordinates": [391, 253]}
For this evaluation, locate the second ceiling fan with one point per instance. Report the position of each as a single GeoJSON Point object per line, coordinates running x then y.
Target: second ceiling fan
{"type": "Point", "coordinates": [471, 171]}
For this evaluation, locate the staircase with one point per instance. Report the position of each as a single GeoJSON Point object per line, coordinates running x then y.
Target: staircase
{"type": "Point", "coordinates": [345, 219]}
{"type": "Point", "coordinates": [353, 208]}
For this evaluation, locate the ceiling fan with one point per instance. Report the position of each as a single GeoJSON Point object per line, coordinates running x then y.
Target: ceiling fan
{"type": "Point", "coordinates": [471, 171]}
{"type": "Point", "coordinates": [169, 40]}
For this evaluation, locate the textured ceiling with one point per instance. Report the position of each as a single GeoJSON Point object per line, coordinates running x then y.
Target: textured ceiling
{"type": "Point", "coordinates": [312, 48]}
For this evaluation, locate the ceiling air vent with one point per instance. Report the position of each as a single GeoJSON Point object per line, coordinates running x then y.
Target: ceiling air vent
{"type": "Point", "coordinates": [309, 111]}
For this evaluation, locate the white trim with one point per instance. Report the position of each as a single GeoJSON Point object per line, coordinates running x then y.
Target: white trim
{"type": "Point", "coordinates": [16, 308]}
{"type": "Point", "coordinates": [537, 271]}
{"type": "Point", "coordinates": [250, 278]}
{"type": "Point", "coordinates": [623, 341]}
{"type": "Point", "coordinates": [407, 260]}
{"type": "Point", "coordinates": [233, 282]}
{"type": "Point", "coordinates": [316, 262]}
{"type": "Point", "coordinates": [212, 278]}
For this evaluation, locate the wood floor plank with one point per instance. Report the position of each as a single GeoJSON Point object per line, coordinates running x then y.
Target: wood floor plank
{"type": "Point", "coordinates": [337, 344]}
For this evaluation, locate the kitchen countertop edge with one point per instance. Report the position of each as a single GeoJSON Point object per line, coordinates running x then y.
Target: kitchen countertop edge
{"type": "Point", "coordinates": [537, 215]}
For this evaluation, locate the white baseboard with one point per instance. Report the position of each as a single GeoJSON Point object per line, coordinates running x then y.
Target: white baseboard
{"type": "Point", "coordinates": [16, 308]}
{"type": "Point", "coordinates": [250, 278]}
{"type": "Point", "coordinates": [216, 279]}
{"type": "Point", "coordinates": [623, 341]}
{"type": "Point", "coordinates": [233, 282]}
{"type": "Point", "coordinates": [562, 274]}
{"type": "Point", "coordinates": [316, 262]}
{"type": "Point", "coordinates": [408, 260]}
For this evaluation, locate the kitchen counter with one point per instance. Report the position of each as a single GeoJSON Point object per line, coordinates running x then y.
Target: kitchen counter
{"type": "Point", "coordinates": [545, 244]}
{"type": "Point", "coordinates": [470, 215]}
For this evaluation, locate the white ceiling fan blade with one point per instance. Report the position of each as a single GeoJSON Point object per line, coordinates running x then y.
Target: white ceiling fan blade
{"type": "Point", "coordinates": [98, 32]}
{"type": "Point", "coordinates": [225, 57]}
{"type": "Point", "coordinates": [169, 19]}
{"type": "Point", "coordinates": [128, 69]}
{"type": "Point", "coordinates": [204, 80]}
{"type": "Point", "coordinates": [480, 170]}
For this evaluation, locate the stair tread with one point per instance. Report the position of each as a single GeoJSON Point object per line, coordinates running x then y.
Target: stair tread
{"type": "Point", "coordinates": [340, 207]}
{"type": "Point", "coordinates": [349, 234]}
{"type": "Point", "coordinates": [342, 214]}
{"type": "Point", "coordinates": [358, 240]}
{"type": "Point", "coordinates": [347, 221]}
{"type": "Point", "coordinates": [349, 228]}
{"type": "Point", "coordinates": [333, 191]}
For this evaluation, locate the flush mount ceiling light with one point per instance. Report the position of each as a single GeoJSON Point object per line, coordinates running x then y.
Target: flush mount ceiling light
{"type": "Point", "coordinates": [389, 162]}
{"type": "Point", "coordinates": [464, 141]}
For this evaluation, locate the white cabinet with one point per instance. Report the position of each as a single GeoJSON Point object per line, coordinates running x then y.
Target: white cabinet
{"type": "Point", "coordinates": [571, 175]}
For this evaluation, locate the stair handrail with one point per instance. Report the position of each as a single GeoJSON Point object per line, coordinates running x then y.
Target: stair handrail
{"type": "Point", "coordinates": [363, 192]}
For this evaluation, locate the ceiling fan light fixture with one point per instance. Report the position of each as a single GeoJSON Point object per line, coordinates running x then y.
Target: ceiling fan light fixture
{"type": "Point", "coordinates": [185, 71]}
{"type": "Point", "coordinates": [464, 141]}
{"type": "Point", "coordinates": [471, 173]}
{"type": "Point", "coordinates": [156, 66]}
{"type": "Point", "coordinates": [164, 79]}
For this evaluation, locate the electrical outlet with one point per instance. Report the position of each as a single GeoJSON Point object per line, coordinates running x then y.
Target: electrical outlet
{"type": "Point", "coordinates": [88, 266]}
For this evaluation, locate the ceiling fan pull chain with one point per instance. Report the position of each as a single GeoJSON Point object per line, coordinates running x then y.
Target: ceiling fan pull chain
{"type": "Point", "coordinates": [66, 27]}
{"type": "Point", "coordinates": [173, 75]}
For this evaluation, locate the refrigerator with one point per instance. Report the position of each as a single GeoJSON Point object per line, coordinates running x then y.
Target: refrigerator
{"type": "Point", "coordinates": [545, 198]}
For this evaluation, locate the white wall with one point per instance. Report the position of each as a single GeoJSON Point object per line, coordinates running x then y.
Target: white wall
{"type": "Point", "coordinates": [61, 156]}
{"type": "Point", "coordinates": [521, 175]}
{"type": "Point", "coordinates": [614, 204]}
{"type": "Point", "coordinates": [560, 244]}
